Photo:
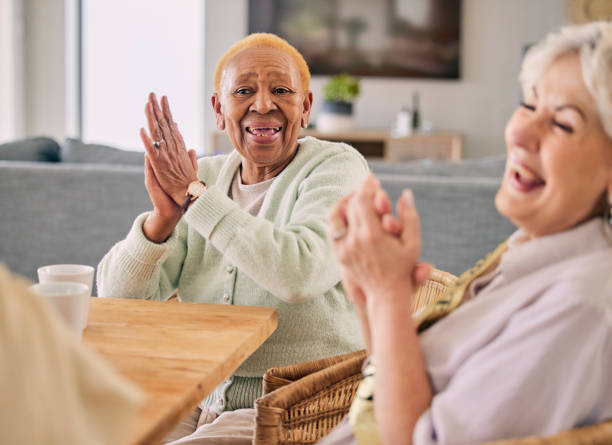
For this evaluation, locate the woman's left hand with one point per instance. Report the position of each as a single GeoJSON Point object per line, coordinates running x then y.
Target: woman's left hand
{"type": "Point", "coordinates": [174, 166]}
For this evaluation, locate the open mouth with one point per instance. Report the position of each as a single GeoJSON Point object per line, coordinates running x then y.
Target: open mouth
{"type": "Point", "coordinates": [263, 131]}
{"type": "Point", "coordinates": [525, 178]}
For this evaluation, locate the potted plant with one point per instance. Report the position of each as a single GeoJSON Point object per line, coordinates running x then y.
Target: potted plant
{"type": "Point", "coordinates": [337, 111]}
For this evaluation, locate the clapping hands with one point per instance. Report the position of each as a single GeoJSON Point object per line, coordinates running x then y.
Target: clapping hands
{"type": "Point", "coordinates": [169, 168]}
{"type": "Point", "coordinates": [378, 253]}
{"type": "Point", "coordinates": [169, 162]}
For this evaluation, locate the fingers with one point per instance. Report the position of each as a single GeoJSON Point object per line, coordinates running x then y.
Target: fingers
{"type": "Point", "coordinates": [176, 135]}
{"type": "Point", "coordinates": [360, 211]}
{"type": "Point", "coordinates": [382, 203]}
{"type": "Point", "coordinates": [391, 225]}
{"type": "Point", "coordinates": [148, 143]}
{"type": "Point", "coordinates": [408, 216]}
{"type": "Point", "coordinates": [421, 273]}
{"type": "Point", "coordinates": [194, 159]}
{"type": "Point", "coordinates": [150, 179]}
{"type": "Point", "coordinates": [166, 109]}
{"type": "Point", "coordinates": [154, 129]}
{"type": "Point", "coordinates": [161, 125]}
{"type": "Point", "coordinates": [336, 220]}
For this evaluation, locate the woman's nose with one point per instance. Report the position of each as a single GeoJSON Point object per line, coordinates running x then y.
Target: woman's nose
{"type": "Point", "coordinates": [524, 131]}
{"type": "Point", "coordinates": [263, 102]}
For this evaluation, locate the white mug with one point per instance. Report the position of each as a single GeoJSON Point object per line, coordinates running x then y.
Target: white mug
{"type": "Point", "coordinates": [78, 273]}
{"type": "Point", "coordinates": [70, 300]}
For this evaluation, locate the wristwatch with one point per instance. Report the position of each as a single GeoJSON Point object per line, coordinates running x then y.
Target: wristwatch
{"type": "Point", "coordinates": [194, 191]}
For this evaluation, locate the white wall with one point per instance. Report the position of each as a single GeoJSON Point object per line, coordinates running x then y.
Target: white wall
{"type": "Point", "coordinates": [494, 33]}
{"type": "Point", "coordinates": [44, 68]}
{"type": "Point", "coordinates": [11, 64]}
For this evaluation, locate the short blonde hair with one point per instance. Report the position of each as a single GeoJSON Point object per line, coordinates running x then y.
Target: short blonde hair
{"type": "Point", "coordinates": [264, 40]}
{"type": "Point", "coordinates": [593, 44]}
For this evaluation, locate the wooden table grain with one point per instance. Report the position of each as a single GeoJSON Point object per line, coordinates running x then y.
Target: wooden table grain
{"type": "Point", "coordinates": [176, 353]}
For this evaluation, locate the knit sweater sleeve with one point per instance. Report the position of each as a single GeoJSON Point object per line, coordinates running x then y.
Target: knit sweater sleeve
{"type": "Point", "coordinates": [288, 257]}
{"type": "Point", "coordinates": [138, 268]}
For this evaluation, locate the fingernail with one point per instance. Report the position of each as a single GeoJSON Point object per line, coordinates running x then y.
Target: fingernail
{"type": "Point", "coordinates": [408, 196]}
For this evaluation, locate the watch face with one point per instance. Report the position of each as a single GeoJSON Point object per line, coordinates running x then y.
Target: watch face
{"type": "Point", "coordinates": [196, 188]}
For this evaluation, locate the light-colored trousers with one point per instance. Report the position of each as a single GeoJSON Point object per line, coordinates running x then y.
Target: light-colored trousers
{"type": "Point", "coordinates": [203, 427]}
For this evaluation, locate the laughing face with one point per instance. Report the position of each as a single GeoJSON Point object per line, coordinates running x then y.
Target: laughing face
{"type": "Point", "coordinates": [262, 105]}
{"type": "Point", "coordinates": [559, 162]}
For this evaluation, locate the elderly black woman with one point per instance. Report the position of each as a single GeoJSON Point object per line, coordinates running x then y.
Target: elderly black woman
{"type": "Point", "coordinates": [521, 344]}
{"type": "Point", "coordinates": [248, 228]}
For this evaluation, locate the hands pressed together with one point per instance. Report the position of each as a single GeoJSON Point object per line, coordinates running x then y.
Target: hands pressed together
{"type": "Point", "coordinates": [378, 252]}
{"type": "Point", "coordinates": [379, 255]}
{"type": "Point", "coordinates": [169, 168]}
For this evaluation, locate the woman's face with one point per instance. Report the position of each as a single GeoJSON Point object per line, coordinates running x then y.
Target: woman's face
{"type": "Point", "coordinates": [559, 157]}
{"type": "Point", "coordinates": [262, 106]}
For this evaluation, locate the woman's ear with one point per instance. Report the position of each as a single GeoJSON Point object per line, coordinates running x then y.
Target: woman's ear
{"type": "Point", "coordinates": [216, 104]}
{"type": "Point", "coordinates": [306, 107]}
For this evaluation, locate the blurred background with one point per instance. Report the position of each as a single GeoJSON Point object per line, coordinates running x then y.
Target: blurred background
{"type": "Point", "coordinates": [83, 68]}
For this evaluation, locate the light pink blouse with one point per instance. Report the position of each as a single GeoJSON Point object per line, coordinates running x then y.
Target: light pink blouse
{"type": "Point", "coordinates": [531, 354]}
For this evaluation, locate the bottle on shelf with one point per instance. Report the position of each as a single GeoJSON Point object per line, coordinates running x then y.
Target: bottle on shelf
{"type": "Point", "coordinates": [416, 113]}
{"type": "Point", "coordinates": [403, 123]}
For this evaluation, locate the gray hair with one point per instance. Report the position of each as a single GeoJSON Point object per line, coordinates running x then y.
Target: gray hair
{"type": "Point", "coordinates": [593, 44]}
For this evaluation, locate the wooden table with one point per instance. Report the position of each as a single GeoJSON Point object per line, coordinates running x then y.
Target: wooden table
{"type": "Point", "coordinates": [176, 353]}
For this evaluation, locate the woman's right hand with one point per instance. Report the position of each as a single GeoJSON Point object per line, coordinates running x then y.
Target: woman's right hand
{"type": "Point", "coordinates": [161, 222]}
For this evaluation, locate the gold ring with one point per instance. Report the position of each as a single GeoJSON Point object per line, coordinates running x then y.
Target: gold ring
{"type": "Point", "coordinates": [339, 234]}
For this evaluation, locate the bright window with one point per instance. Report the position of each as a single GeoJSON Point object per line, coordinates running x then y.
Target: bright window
{"type": "Point", "coordinates": [131, 48]}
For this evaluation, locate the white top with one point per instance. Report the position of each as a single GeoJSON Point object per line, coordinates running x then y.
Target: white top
{"type": "Point", "coordinates": [249, 197]}
{"type": "Point", "coordinates": [532, 354]}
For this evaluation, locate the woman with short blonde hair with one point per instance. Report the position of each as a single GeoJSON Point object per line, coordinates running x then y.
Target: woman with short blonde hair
{"type": "Point", "coordinates": [246, 228]}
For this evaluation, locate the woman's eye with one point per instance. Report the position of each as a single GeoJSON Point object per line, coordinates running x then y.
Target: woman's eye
{"type": "Point", "coordinates": [528, 106]}
{"type": "Point", "coordinates": [281, 90]}
{"type": "Point", "coordinates": [243, 91]}
{"type": "Point", "coordinates": [564, 127]}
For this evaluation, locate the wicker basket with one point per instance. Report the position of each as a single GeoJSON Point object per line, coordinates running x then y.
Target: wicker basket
{"type": "Point", "coordinates": [304, 402]}
{"type": "Point", "coordinates": [599, 434]}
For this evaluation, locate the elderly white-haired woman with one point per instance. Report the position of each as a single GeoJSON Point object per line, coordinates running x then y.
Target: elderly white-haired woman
{"type": "Point", "coordinates": [246, 228]}
{"type": "Point", "coordinates": [528, 349]}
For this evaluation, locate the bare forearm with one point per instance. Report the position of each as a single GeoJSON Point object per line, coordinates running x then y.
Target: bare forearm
{"type": "Point", "coordinates": [158, 229]}
{"type": "Point", "coordinates": [402, 387]}
{"type": "Point", "coordinates": [365, 328]}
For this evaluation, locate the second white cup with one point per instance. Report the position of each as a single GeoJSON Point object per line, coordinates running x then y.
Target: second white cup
{"type": "Point", "coordinates": [75, 273]}
{"type": "Point", "coordinates": [70, 300]}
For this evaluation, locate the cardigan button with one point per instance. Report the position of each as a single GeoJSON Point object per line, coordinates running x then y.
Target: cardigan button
{"type": "Point", "coordinates": [226, 297]}
{"type": "Point", "coordinates": [229, 269]}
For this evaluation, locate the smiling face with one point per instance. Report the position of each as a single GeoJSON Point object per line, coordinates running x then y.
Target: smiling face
{"type": "Point", "coordinates": [262, 106]}
{"type": "Point", "coordinates": [559, 162]}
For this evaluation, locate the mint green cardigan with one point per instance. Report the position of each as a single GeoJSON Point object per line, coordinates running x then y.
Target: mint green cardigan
{"type": "Point", "coordinates": [219, 253]}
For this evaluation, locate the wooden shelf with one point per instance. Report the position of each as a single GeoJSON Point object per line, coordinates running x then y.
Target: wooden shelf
{"type": "Point", "coordinates": [380, 144]}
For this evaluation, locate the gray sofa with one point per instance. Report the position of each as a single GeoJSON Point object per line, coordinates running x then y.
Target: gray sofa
{"type": "Point", "coordinates": [70, 204]}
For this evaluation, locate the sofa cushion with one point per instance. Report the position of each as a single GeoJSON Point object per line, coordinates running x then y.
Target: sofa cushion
{"type": "Point", "coordinates": [76, 151]}
{"type": "Point", "coordinates": [488, 167]}
{"type": "Point", "coordinates": [38, 149]}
